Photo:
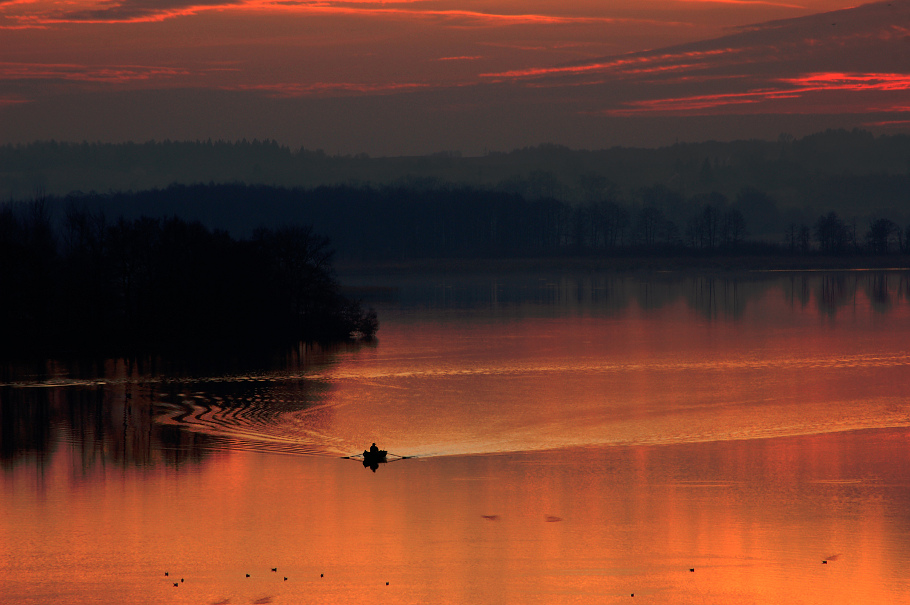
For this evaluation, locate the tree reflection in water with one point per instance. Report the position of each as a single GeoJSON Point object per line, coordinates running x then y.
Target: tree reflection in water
{"type": "Point", "coordinates": [711, 294]}
{"type": "Point", "coordinates": [99, 427]}
{"type": "Point", "coordinates": [145, 412]}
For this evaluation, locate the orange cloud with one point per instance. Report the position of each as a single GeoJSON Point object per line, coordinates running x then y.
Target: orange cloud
{"type": "Point", "coordinates": [37, 13]}
{"type": "Point", "coordinates": [694, 105]}
{"type": "Point", "coordinates": [85, 73]}
{"type": "Point", "coordinates": [746, 3]}
{"type": "Point", "coordinates": [40, 13]}
{"type": "Point", "coordinates": [617, 64]}
{"type": "Point", "coordinates": [796, 88]}
{"type": "Point", "coordinates": [485, 18]}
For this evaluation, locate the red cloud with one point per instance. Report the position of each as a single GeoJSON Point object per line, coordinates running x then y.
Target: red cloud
{"type": "Point", "coordinates": [856, 82]}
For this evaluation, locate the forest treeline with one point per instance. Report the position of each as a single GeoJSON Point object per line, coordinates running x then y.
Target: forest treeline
{"type": "Point", "coordinates": [399, 223]}
{"type": "Point", "coordinates": [82, 282]}
{"type": "Point", "coordinates": [849, 172]}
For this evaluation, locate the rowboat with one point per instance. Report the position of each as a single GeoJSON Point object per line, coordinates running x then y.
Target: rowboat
{"type": "Point", "coordinates": [371, 458]}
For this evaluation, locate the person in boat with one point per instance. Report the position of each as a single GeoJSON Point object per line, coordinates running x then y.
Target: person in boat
{"type": "Point", "coordinates": [374, 450]}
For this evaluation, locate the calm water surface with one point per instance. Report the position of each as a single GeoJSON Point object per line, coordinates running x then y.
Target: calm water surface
{"type": "Point", "coordinates": [576, 439]}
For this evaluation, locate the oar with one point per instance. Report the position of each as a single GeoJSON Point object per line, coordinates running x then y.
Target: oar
{"type": "Point", "coordinates": [360, 455]}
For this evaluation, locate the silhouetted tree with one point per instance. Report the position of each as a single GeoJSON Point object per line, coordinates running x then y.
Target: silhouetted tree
{"type": "Point", "coordinates": [703, 229]}
{"type": "Point", "coordinates": [148, 284]}
{"type": "Point", "coordinates": [614, 222]}
{"type": "Point", "coordinates": [832, 234]}
{"type": "Point", "coordinates": [300, 267]}
{"type": "Point", "coordinates": [904, 239]}
{"type": "Point", "coordinates": [803, 239]}
{"type": "Point", "coordinates": [648, 222]}
{"type": "Point", "coordinates": [878, 237]}
{"type": "Point", "coordinates": [759, 211]}
{"type": "Point", "coordinates": [732, 228]}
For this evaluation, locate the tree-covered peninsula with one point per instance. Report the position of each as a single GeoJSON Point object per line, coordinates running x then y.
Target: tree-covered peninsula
{"type": "Point", "coordinates": [86, 283]}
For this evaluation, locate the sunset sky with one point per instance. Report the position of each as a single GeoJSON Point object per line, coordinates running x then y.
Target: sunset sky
{"type": "Point", "coordinates": [417, 76]}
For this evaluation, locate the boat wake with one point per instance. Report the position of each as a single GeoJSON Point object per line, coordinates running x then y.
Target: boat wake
{"type": "Point", "coordinates": [283, 417]}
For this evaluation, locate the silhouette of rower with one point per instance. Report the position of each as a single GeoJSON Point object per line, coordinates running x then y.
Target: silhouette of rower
{"type": "Point", "coordinates": [374, 450]}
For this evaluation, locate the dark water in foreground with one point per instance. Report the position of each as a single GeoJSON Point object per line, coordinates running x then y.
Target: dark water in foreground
{"type": "Point", "coordinates": [578, 439]}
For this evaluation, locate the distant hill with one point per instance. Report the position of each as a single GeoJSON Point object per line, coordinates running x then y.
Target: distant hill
{"type": "Point", "coordinates": [851, 172]}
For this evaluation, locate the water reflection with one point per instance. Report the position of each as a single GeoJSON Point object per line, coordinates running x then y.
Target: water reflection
{"type": "Point", "coordinates": [578, 439]}
{"type": "Point", "coordinates": [836, 291]}
{"type": "Point", "coordinates": [155, 411]}
{"type": "Point", "coordinates": [798, 289]}
{"type": "Point", "coordinates": [719, 297]}
{"type": "Point", "coordinates": [879, 290]}
{"type": "Point", "coordinates": [710, 296]}
{"type": "Point", "coordinates": [25, 426]}
{"type": "Point", "coordinates": [99, 426]}
{"type": "Point", "coordinates": [177, 410]}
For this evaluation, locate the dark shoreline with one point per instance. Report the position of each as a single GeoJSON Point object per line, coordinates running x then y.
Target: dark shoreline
{"type": "Point", "coordinates": [644, 264]}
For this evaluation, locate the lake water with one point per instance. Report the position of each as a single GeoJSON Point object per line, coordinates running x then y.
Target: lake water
{"type": "Point", "coordinates": [575, 438]}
